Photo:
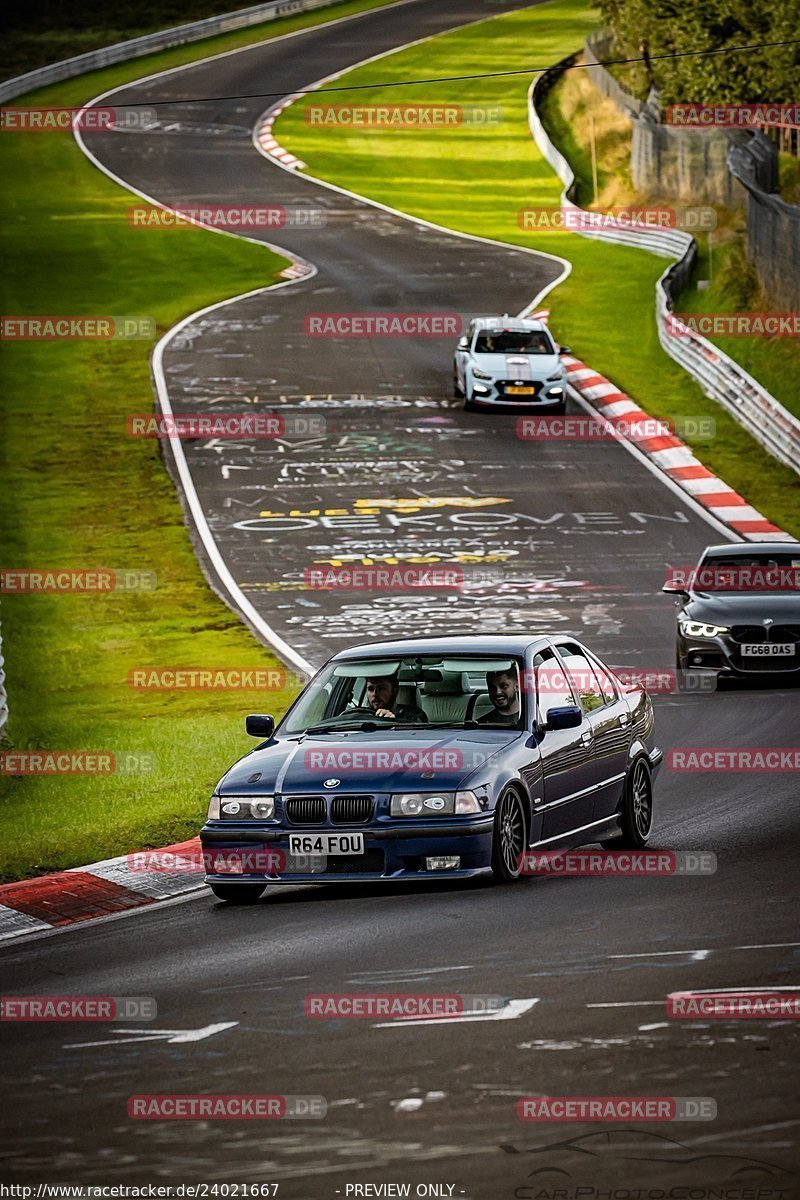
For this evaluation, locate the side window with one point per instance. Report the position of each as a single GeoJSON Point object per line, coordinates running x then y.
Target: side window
{"type": "Point", "coordinates": [582, 675]}
{"type": "Point", "coordinates": [552, 686]}
{"type": "Point", "coordinates": [605, 681]}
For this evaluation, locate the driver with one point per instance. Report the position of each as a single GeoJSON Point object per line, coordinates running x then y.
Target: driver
{"type": "Point", "coordinates": [504, 695]}
{"type": "Point", "coordinates": [382, 699]}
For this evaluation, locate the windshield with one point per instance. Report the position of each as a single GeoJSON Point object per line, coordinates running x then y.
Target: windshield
{"type": "Point", "coordinates": [527, 342]}
{"type": "Point", "coordinates": [425, 691]}
{"type": "Point", "coordinates": [748, 573]}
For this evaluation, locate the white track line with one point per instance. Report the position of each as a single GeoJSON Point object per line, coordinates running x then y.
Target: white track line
{"type": "Point", "coordinates": [240, 601]}
{"type": "Point", "coordinates": [631, 447]}
{"type": "Point", "coordinates": [251, 614]}
{"type": "Point", "coordinates": [287, 101]}
{"type": "Point", "coordinates": [713, 950]}
{"type": "Point", "coordinates": [674, 487]}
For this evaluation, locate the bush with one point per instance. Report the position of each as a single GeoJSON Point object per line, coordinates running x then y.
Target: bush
{"type": "Point", "coordinates": [649, 28]}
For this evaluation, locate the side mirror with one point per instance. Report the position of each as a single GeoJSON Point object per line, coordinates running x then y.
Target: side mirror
{"type": "Point", "coordinates": [569, 716]}
{"type": "Point", "coordinates": [565, 350]}
{"type": "Point", "coordinates": [259, 725]}
{"type": "Point", "coordinates": [675, 589]}
{"type": "Point", "coordinates": [463, 343]}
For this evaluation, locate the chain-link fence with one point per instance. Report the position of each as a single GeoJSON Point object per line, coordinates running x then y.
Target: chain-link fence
{"type": "Point", "coordinates": [666, 162]}
{"type": "Point", "coordinates": [596, 49]}
{"type": "Point", "coordinates": [725, 167]}
{"type": "Point", "coordinates": [773, 227]}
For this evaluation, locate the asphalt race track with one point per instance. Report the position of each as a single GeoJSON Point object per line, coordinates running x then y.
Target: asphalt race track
{"type": "Point", "coordinates": [583, 533]}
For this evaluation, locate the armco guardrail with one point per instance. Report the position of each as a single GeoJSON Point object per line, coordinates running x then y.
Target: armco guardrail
{"type": "Point", "coordinates": [178, 35]}
{"type": "Point", "coordinates": [720, 377]}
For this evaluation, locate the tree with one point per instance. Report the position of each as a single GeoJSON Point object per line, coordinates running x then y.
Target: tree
{"type": "Point", "coordinates": [649, 28]}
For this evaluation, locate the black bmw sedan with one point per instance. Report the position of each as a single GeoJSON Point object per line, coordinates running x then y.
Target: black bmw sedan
{"type": "Point", "coordinates": [739, 611]}
{"type": "Point", "coordinates": [439, 757]}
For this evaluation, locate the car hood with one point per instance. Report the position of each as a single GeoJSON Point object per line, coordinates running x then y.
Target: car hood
{"type": "Point", "coordinates": [517, 366]}
{"type": "Point", "coordinates": [366, 762]}
{"type": "Point", "coordinates": [744, 608]}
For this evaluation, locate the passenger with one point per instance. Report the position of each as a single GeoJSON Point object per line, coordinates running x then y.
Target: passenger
{"type": "Point", "coordinates": [504, 695]}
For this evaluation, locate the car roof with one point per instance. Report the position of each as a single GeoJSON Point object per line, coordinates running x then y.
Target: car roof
{"type": "Point", "coordinates": [480, 644]}
{"type": "Point", "coordinates": [506, 324]}
{"type": "Point", "coordinates": [754, 548]}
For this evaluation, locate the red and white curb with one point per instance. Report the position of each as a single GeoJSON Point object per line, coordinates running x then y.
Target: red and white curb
{"type": "Point", "coordinates": [271, 148]}
{"type": "Point", "coordinates": [266, 139]}
{"type": "Point", "coordinates": [671, 455]}
{"type": "Point", "coordinates": [297, 270]}
{"type": "Point", "coordinates": [100, 889]}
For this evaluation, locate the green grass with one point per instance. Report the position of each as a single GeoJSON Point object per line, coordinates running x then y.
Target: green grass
{"type": "Point", "coordinates": [789, 177]}
{"type": "Point", "coordinates": [477, 180]}
{"type": "Point", "coordinates": [774, 362]}
{"type": "Point", "coordinates": [566, 110]}
{"type": "Point", "coordinates": [78, 493]}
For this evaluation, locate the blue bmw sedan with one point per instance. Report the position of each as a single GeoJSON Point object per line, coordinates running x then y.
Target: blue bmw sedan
{"type": "Point", "coordinates": [436, 758]}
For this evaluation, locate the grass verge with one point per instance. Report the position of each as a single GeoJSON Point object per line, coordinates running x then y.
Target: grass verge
{"type": "Point", "coordinates": [80, 494]}
{"type": "Point", "coordinates": [478, 178]}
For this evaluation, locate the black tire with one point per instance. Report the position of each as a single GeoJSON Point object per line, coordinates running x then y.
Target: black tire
{"type": "Point", "coordinates": [509, 839]}
{"type": "Point", "coordinates": [559, 409]}
{"type": "Point", "coordinates": [470, 405]}
{"type": "Point", "coordinates": [458, 391]}
{"type": "Point", "coordinates": [636, 817]}
{"type": "Point", "coordinates": [238, 893]}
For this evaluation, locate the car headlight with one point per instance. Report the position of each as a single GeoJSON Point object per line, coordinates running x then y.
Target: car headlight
{"type": "Point", "coordinates": [213, 808]}
{"type": "Point", "coordinates": [476, 374]}
{"type": "Point", "coordinates": [433, 804]}
{"type": "Point", "coordinates": [555, 378]}
{"type": "Point", "coordinates": [699, 629]}
{"type": "Point", "coordinates": [246, 808]}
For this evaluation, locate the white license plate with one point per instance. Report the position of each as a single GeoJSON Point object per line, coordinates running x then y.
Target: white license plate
{"type": "Point", "coordinates": [768, 649]}
{"type": "Point", "coordinates": [326, 843]}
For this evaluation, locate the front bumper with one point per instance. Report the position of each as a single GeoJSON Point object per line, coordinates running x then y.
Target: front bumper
{"type": "Point", "coordinates": [545, 395]}
{"type": "Point", "coordinates": [723, 654]}
{"type": "Point", "coordinates": [391, 852]}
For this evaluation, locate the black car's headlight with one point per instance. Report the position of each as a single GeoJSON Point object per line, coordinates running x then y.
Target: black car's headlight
{"type": "Point", "coordinates": [241, 808]}
{"type": "Point", "coordinates": [699, 629]}
{"type": "Point", "coordinates": [433, 804]}
{"type": "Point", "coordinates": [476, 374]}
